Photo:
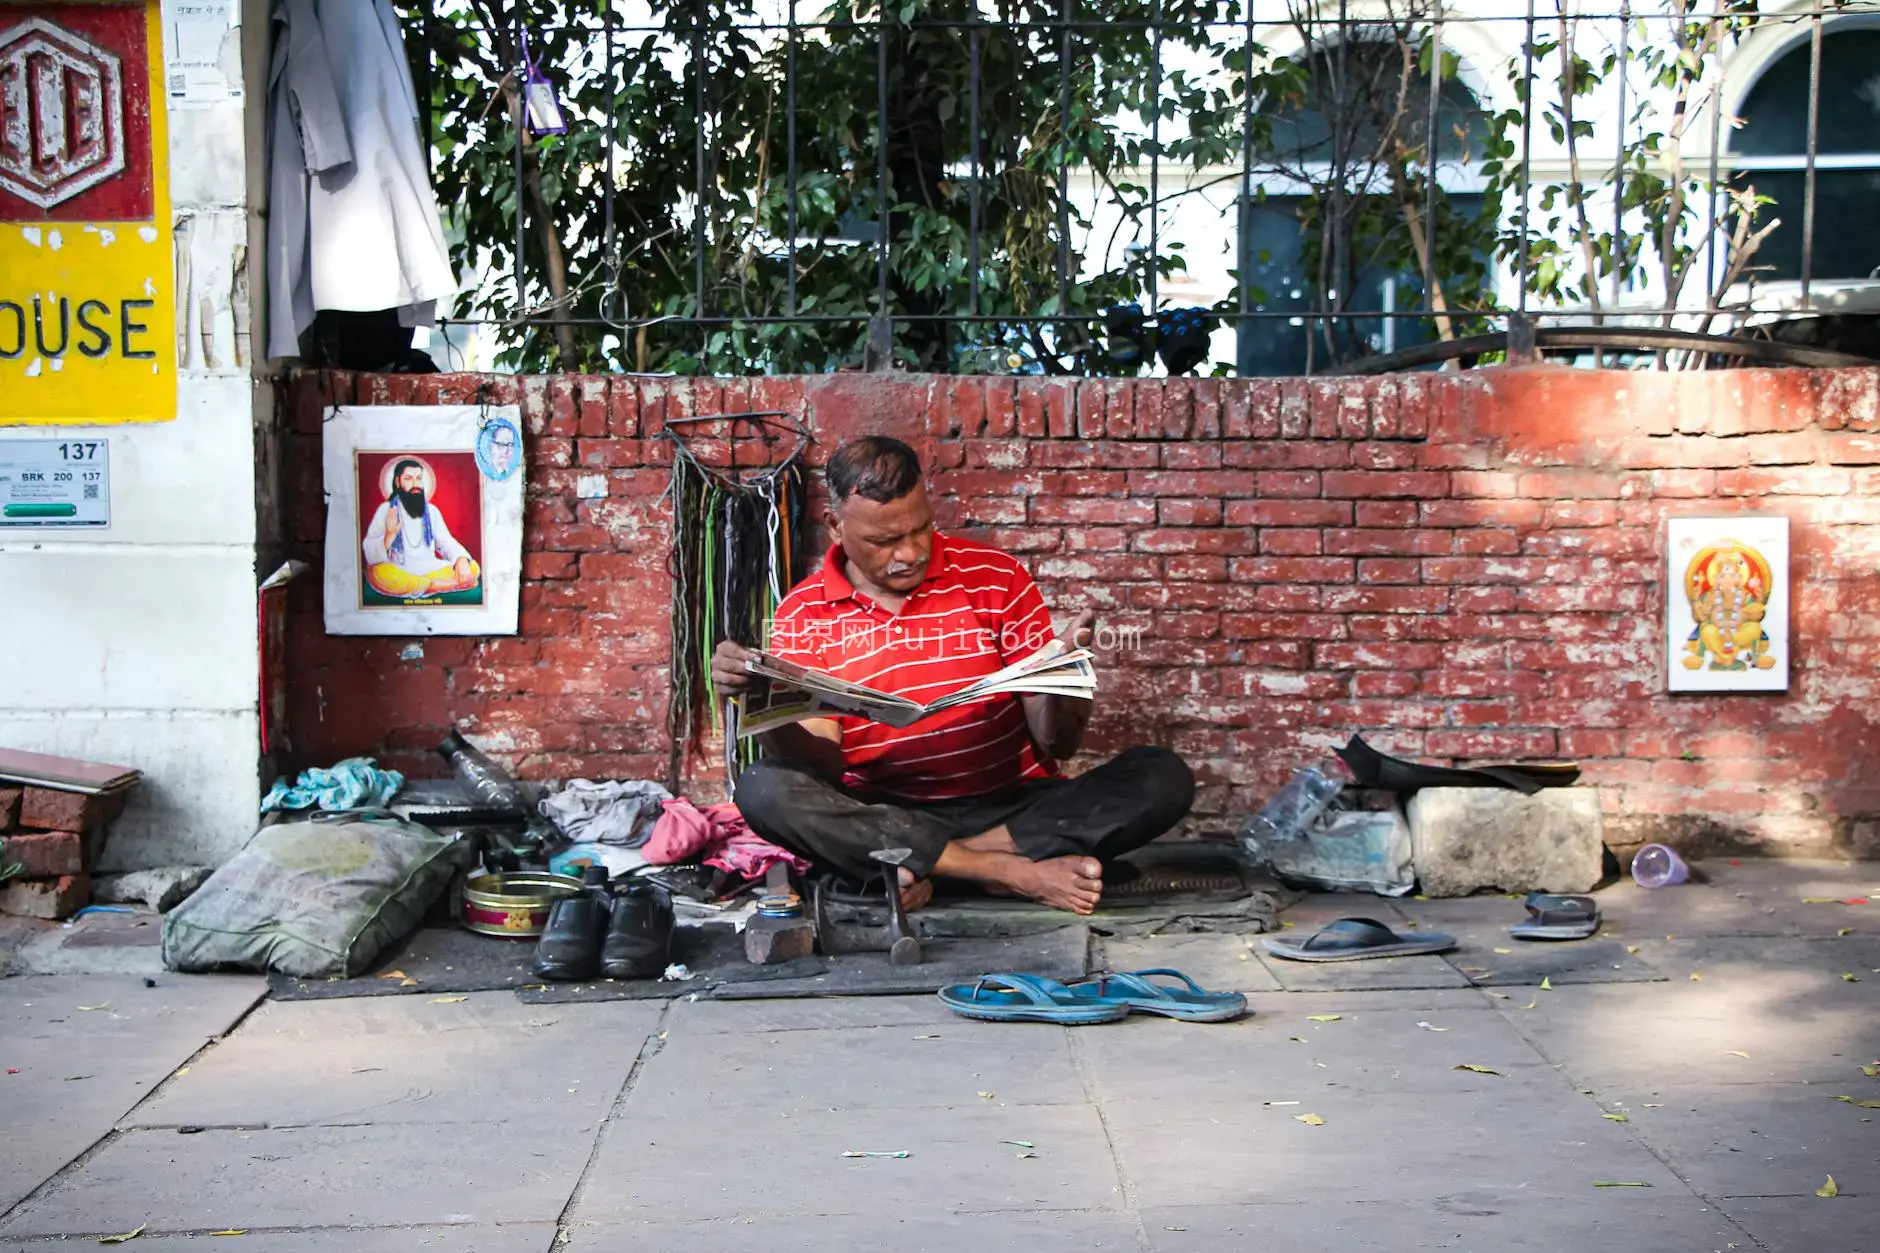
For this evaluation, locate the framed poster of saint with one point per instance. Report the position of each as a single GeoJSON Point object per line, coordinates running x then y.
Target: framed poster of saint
{"type": "Point", "coordinates": [1727, 604]}
{"type": "Point", "coordinates": [424, 520]}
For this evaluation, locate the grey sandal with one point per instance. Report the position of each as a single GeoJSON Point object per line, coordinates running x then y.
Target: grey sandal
{"type": "Point", "coordinates": [1553, 916]}
{"type": "Point", "coordinates": [1355, 939]}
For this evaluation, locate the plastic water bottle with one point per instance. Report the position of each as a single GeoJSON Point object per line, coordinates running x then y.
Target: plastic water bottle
{"type": "Point", "coordinates": [1291, 812]}
{"type": "Point", "coordinates": [1656, 866]}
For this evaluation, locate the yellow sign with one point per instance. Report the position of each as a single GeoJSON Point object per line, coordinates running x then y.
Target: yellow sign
{"type": "Point", "coordinates": [87, 266]}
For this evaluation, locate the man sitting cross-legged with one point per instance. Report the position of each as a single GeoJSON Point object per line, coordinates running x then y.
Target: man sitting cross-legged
{"type": "Point", "coordinates": [973, 791]}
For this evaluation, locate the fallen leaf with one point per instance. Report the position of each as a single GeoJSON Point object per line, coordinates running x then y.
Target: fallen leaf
{"type": "Point", "coordinates": [1631, 948]}
{"type": "Point", "coordinates": [232, 1231]}
{"type": "Point", "coordinates": [1828, 1189]}
{"type": "Point", "coordinates": [1619, 1183]}
{"type": "Point", "coordinates": [1310, 1120]}
{"type": "Point", "coordinates": [448, 1000]}
{"type": "Point", "coordinates": [139, 1230]}
{"type": "Point", "coordinates": [1243, 957]}
{"type": "Point", "coordinates": [1471, 1066]}
{"type": "Point", "coordinates": [1174, 1228]}
{"type": "Point", "coordinates": [181, 1071]}
{"type": "Point", "coordinates": [987, 1096]}
{"type": "Point", "coordinates": [1279, 1102]}
{"type": "Point", "coordinates": [1533, 1004]}
{"type": "Point", "coordinates": [1844, 931]}
{"type": "Point", "coordinates": [1323, 1017]}
{"type": "Point", "coordinates": [1615, 1118]}
{"type": "Point", "coordinates": [394, 974]}
{"type": "Point", "coordinates": [93, 1008]}
{"type": "Point", "coordinates": [926, 1037]}
{"type": "Point", "coordinates": [1821, 900]}
{"type": "Point", "coordinates": [1658, 1105]}
{"type": "Point", "coordinates": [1287, 926]}
{"type": "Point", "coordinates": [1696, 978]}
{"type": "Point", "coordinates": [1850, 978]}
{"type": "Point", "coordinates": [1431, 1027]}
{"type": "Point", "coordinates": [1023, 1144]}
{"type": "Point", "coordinates": [1297, 1039]}
{"type": "Point", "coordinates": [407, 983]}
{"type": "Point", "coordinates": [1547, 985]}
{"type": "Point", "coordinates": [1504, 951]}
{"type": "Point", "coordinates": [1872, 1072]}
{"type": "Point", "coordinates": [1023, 1156]}
{"type": "Point", "coordinates": [898, 1153]}
{"type": "Point", "coordinates": [1867, 1104]}
{"type": "Point", "coordinates": [1501, 996]}
{"type": "Point", "coordinates": [1737, 1053]}
{"type": "Point", "coordinates": [75, 1078]}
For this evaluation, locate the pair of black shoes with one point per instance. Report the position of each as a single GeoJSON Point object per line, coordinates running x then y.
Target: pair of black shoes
{"type": "Point", "coordinates": [628, 936]}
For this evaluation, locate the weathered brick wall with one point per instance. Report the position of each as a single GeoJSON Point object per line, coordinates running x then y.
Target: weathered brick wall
{"type": "Point", "coordinates": [1461, 566]}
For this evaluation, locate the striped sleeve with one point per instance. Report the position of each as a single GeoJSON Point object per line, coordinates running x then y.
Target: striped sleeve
{"type": "Point", "coordinates": [797, 632]}
{"type": "Point", "coordinates": [1025, 623]}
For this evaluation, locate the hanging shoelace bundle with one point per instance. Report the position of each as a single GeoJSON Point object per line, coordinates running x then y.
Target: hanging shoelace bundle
{"type": "Point", "coordinates": [740, 541]}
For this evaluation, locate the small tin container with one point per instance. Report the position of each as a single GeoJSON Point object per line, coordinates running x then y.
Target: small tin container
{"type": "Point", "coordinates": [514, 904]}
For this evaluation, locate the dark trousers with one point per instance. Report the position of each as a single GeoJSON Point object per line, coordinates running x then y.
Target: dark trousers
{"type": "Point", "coordinates": [1104, 812]}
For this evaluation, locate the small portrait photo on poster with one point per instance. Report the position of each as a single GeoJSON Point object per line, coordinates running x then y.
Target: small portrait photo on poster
{"type": "Point", "coordinates": [421, 529]}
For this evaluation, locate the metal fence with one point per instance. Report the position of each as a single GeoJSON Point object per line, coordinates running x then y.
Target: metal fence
{"type": "Point", "coordinates": [747, 188]}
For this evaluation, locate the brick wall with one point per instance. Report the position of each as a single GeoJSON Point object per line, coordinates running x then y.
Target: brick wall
{"type": "Point", "coordinates": [1461, 566]}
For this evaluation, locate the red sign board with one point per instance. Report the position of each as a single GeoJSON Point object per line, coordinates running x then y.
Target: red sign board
{"type": "Point", "coordinates": [75, 113]}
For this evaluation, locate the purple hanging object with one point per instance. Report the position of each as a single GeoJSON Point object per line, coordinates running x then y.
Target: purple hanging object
{"type": "Point", "coordinates": [543, 107]}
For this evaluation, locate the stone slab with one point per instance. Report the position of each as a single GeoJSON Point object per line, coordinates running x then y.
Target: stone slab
{"type": "Point", "coordinates": [1765, 1140]}
{"type": "Point", "coordinates": [1466, 839]}
{"type": "Point", "coordinates": [1378, 974]}
{"type": "Point", "coordinates": [791, 1072]}
{"type": "Point", "coordinates": [1637, 1220]}
{"type": "Point", "coordinates": [374, 1176]}
{"type": "Point", "coordinates": [652, 1167]}
{"type": "Point", "coordinates": [1528, 963]}
{"type": "Point", "coordinates": [914, 1014]}
{"type": "Point", "coordinates": [123, 1050]}
{"type": "Point", "coordinates": [457, 1238]}
{"type": "Point", "coordinates": [897, 1230]}
{"type": "Point", "coordinates": [410, 1060]}
{"type": "Point", "coordinates": [1221, 962]}
{"type": "Point", "coordinates": [1807, 1224]}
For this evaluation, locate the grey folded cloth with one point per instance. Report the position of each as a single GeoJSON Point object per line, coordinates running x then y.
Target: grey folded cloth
{"type": "Point", "coordinates": [606, 813]}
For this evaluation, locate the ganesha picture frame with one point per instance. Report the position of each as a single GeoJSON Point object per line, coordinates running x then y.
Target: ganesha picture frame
{"type": "Point", "coordinates": [1727, 601]}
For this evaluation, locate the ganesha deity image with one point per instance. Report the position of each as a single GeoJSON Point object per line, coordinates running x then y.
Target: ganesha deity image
{"type": "Point", "coordinates": [1728, 584]}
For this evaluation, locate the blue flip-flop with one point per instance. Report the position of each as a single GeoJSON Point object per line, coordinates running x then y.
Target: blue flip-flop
{"type": "Point", "coordinates": [1132, 989]}
{"type": "Point", "coordinates": [1027, 998]}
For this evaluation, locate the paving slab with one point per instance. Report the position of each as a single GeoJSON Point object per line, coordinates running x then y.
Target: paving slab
{"type": "Point", "coordinates": [1774, 1140]}
{"type": "Point", "coordinates": [1807, 1224]}
{"type": "Point", "coordinates": [1519, 963]}
{"type": "Point", "coordinates": [792, 1164]}
{"type": "Point", "coordinates": [462, 1238]}
{"type": "Point", "coordinates": [1508, 1137]}
{"type": "Point", "coordinates": [897, 1231]}
{"type": "Point", "coordinates": [703, 1016]}
{"type": "Point", "coordinates": [1637, 1220]}
{"type": "Point", "coordinates": [1370, 975]}
{"type": "Point", "coordinates": [373, 1176]}
{"type": "Point", "coordinates": [82, 1069]}
{"type": "Point", "coordinates": [1224, 963]}
{"type": "Point", "coordinates": [1335, 1000]}
{"type": "Point", "coordinates": [407, 1059]}
{"type": "Point", "coordinates": [1289, 1057]}
{"type": "Point", "coordinates": [765, 1073]}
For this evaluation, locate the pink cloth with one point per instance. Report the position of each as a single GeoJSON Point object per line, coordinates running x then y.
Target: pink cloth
{"type": "Point", "coordinates": [717, 836]}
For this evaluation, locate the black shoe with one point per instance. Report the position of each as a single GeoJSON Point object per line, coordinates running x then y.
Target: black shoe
{"type": "Point", "coordinates": [639, 936]}
{"type": "Point", "coordinates": [570, 947]}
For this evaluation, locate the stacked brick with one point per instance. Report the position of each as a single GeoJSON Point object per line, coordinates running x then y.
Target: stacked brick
{"type": "Point", "coordinates": [54, 837]}
{"type": "Point", "coordinates": [1460, 566]}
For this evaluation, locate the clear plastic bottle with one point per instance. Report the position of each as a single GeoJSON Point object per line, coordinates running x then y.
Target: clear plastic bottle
{"type": "Point", "coordinates": [1292, 811]}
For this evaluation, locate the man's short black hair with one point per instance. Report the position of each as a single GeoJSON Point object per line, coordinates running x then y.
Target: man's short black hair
{"type": "Point", "coordinates": [876, 467]}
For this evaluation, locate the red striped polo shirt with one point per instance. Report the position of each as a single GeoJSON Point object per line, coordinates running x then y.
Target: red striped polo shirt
{"type": "Point", "coordinates": [977, 611]}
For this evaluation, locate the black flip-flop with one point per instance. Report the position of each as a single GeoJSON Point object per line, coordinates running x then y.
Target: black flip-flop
{"type": "Point", "coordinates": [1355, 939]}
{"type": "Point", "coordinates": [1554, 916]}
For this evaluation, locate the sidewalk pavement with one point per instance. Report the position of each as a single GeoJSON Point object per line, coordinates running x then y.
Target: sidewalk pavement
{"type": "Point", "coordinates": [1710, 1072]}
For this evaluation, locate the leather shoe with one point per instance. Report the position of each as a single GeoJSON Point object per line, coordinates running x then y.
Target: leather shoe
{"type": "Point", "coordinates": [639, 935]}
{"type": "Point", "coordinates": [570, 947]}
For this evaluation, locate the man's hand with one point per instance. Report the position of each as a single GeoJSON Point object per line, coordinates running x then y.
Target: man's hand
{"type": "Point", "coordinates": [729, 677]}
{"type": "Point", "coordinates": [391, 525]}
{"type": "Point", "coordinates": [461, 568]}
{"type": "Point", "coordinates": [1082, 630]}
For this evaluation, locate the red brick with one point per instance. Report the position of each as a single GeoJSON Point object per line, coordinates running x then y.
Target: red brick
{"type": "Point", "coordinates": [1485, 746]}
{"type": "Point", "coordinates": [1100, 566]}
{"type": "Point", "coordinates": [1095, 539]}
{"type": "Point", "coordinates": [559, 565]}
{"type": "Point", "coordinates": [1413, 406]}
{"type": "Point", "coordinates": [1373, 484]}
{"type": "Point", "coordinates": [1217, 541]}
{"type": "Point", "coordinates": [45, 854]}
{"type": "Point", "coordinates": [9, 807]}
{"type": "Point", "coordinates": [1291, 569]}
{"type": "Point", "coordinates": [1582, 513]}
{"type": "Point", "coordinates": [1323, 401]}
{"type": "Point", "coordinates": [1191, 483]}
{"type": "Point", "coordinates": [1014, 539]}
{"type": "Point", "coordinates": [1295, 409]}
{"type": "Point", "coordinates": [1151, 401]}
{"type": "Point", "coordinates": [1173, 511]}
{"type": "Point", "coordinates": [1369, 456]}
{"type": "Point", "coordinates": [1191, 456]}
{"type": "Point", "coordinates": [1290, 542]}
{"type": "Point", "coordinates": [47, 809]}
{"type": "Point", "coordinates": [1195, 568]}
{"type": "Point", "coordinates": [1789, 481]}
{"type": "Point", "coordinates": [1060, 407]}
{"type": "Point", "coordinates": [1207, 417]}
{"type": "Point", "coordinates": [1282, 626]}
{"type": "Point", "coordinates": [1377, 656]}
{"type": "Point", "coordinates": [1452, 457]}
{"type": "Point", "coordinates": [1289, 483]}
{"type": "Point", "coordinates": [1484, 541]}
{"type": "Point", "coordinates": [1031, 420]}
{"type": "Point", "coordinates": [1103, 511]}
{"type": "Point", "coordinates": [1393, 513]}
{"type": "Point", "coordinates": [1301, 454]}
{"type": "Point", "coordinates": [1001, 404]}
{"type": "Point", "coordinates": [591, 405]}
{"type": "Point", "coordinates": [1389, 570]}
{"type": "Point", "coordinates": [1783, 450]}
{"type": "Point", "coordinates": [1288, 513]}
{"type": "Point", "coordinates": [1679, 452]}
{"type": "Point", "coordinates": [1386, 599]}
{"type": "Point", "coordinates": [1468, 513]}
{"type": "Point", "coordinates": [50, 899]}
{"type": "Point", "coordinates": [1102, 454]}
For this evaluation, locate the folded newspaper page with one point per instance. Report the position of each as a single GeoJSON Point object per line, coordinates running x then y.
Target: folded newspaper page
{"type": "Point", "coordinates": [793, 693]}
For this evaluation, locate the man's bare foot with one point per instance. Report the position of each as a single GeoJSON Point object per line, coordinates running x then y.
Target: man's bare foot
{"type": "Point", "coordinates": [915, 893]}
{"type": "Point", "coordinates": [1072, 883]}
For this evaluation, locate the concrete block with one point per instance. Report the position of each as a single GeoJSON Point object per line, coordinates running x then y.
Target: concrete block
{"type": "Point", "coordinates": [1466, 839]}
{"type": "Point", "coordinates": [48, 809]}
{"type": "Point", "coordinates": [51, 899]}
{"type": "Point", "coordinates": [9, 807]}
{"type": "Point", "coordinates": [46, 854]}
{"type": "Point", "coordinates": [162, 889]}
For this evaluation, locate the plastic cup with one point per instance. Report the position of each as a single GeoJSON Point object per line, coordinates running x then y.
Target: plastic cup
{"type": "Point", "coordinates": [1656, 866]}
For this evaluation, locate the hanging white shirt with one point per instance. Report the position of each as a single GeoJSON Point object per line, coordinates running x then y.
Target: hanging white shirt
{"type": "Point", "coordinates": [352, 218]}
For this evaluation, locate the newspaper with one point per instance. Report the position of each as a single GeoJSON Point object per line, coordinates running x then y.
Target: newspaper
{"type": "Point", "coordinates": [792, 693]}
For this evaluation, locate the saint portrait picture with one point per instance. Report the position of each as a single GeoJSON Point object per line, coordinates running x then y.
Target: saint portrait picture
{"type": "Point", "coordinates": [1727, 604]}
{"type": "Point", "coordinates": [421, 528]}
{"type": "Point", "coordinates": [423, 519]}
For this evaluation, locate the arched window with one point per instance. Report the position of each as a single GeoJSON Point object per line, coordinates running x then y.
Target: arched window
{"type": "Point", "coordinates": [1770, 154]}
{"type": "Point", "coordinates": [1349, 99]}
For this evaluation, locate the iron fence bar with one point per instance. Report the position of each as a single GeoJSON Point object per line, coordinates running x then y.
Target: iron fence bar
{"type": "Point", "coordinates": [972, 186]}
{"type": "Point", "coordinates": [1243, 252]}
{"type": "Point", "coordinates": [518, 116]}
{"type": "Point", "coordinates": [1618, 163]}
{"type": "Point", "coordinates": [1429, 154]}
{"type": "Point", "coordinates": [1064, 164]}
{"type": "Point", "coordinates": [1808, 176]}
{"type": "Point", "coordinates": [1716, 144]}
{"type": "Point", "coordinates": [1155, 157]}
{"type": "Point", "coordinates": [698, 158]}
{"type": "Point", "coordinates": [1527, 154]}
{"type": "Point", "coordinates": [609, 268]}
{"type": "Point", "coordinates": [882, 215]}
{"type": "Point", "coordinates": [789, 143]}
